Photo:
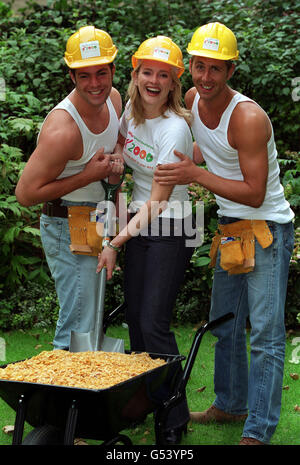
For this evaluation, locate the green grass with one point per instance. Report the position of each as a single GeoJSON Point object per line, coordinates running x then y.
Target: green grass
{"type": "Point", "coordinates": [200, 394]}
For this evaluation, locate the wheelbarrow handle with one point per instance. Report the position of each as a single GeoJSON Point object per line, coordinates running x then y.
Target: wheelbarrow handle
{"type": "Point", "coordinates": [195, 346]}
{"type": "Point", "coordinates": [162, 413]}
{"type": "Point", "coordinates": [109, 318]}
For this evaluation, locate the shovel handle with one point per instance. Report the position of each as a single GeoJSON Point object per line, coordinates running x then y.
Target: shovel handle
{"type": "Point", "coordinates": [111, 189]}
{"type": "Point", "coordinates": [110, 197]}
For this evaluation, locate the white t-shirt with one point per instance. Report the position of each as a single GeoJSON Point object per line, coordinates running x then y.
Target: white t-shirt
{"type": "Point", "coordinates": [153, 143]}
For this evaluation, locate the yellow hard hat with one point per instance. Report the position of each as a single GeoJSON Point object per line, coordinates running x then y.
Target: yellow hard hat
{"type": "Point", "coordinates": [89, 47]}
{"type": "Point", "coordinates": [214, 40]}
{"type": "Point", "coordinates": [162, 49]}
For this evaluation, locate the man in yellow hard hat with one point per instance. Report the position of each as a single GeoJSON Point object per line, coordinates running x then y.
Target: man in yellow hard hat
{"type": "Point", "coordinates": [71, 157]}
{"type": "Point", "coordinates": [252, 247]}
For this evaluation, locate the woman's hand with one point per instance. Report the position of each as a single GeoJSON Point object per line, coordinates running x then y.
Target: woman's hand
{"type": "Point", "coordinates": [107, 258]}
{"type": "Point", "coordinates": [116, 164]}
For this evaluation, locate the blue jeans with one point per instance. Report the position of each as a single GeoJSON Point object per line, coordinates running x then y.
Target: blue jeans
{"type": "Point", "coordinates": [259, 295]}
{"type": "Point", "coordinates": [75, 278]}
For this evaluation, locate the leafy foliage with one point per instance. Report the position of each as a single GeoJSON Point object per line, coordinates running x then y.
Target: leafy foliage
{"type": "Point", "coordinates": [21, 255]}
{"type": "Point", "coordinates": [266, 33]}
{"type": "Point", "coordinates": [35, 78]}
{"type": "Point", "coordinates": [29, 305]}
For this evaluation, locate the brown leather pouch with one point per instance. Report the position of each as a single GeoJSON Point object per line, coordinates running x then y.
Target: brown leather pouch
{"type": "Point", "coordinates": [231, 254]}
{"type": "Point", "coordinates": [236, 242]}
{"type": "Point", "coordinates": [85, 239]}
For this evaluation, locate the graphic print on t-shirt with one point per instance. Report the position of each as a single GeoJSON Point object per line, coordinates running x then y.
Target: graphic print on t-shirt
{"type": "Point", "coordinates": [139, 151]}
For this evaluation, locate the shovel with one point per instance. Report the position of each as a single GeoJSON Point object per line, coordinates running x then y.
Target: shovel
{"type": "Point", "coordinates": [96, 339]}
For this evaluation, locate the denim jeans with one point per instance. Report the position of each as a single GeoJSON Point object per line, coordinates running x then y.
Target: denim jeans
{"type": "Point", "coordinates": [260, 296]}
{"type": "Point", "coordinates": [154, 270]}
{"type": "Point", "coordinates": [75, 280]}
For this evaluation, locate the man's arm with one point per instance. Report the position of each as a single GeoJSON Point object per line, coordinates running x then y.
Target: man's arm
{"type": "Point", "coordinates": [197, 155]}
{"type": "Point", "coordinates": [249, 132]}
{"type": "Point", "coordinates": [59, 142]}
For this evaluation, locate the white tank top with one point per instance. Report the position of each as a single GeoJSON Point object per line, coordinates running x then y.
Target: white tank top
{"type": "Point", "coordinates": [94, 191]}
{"type": "Point", "coordinates": [222, 160]}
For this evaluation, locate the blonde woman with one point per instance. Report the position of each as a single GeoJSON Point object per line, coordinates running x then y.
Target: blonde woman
{"type": "Point", "coordinates": [153, 125]}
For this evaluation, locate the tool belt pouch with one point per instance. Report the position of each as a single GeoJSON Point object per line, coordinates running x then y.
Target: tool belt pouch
{"type": "Point", "coordinates": [236, 242]}
{"type": "Point", "coordinates": [231, 254]}
{"type": "Point", "coordinates": [85, 235]}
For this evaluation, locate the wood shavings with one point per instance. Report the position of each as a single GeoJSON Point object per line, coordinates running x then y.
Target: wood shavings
{"type": "Point", "coordinates": [88, 370]}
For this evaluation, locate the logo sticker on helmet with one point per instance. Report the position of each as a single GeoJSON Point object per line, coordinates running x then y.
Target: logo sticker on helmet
{"type": "Point", "coordinates": [161, 53]}
{"type": "Point", "coordinates": [90, 49]}
{"type": "Point", "coordinates": [211, 44]}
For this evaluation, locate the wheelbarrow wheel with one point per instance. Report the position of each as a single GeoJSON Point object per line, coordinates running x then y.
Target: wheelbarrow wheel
{"type": "Point", "coordinates": [43, 436]}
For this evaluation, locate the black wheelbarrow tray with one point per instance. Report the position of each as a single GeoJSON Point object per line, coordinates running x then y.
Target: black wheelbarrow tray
{"type": "Point", "coordinates": [58, 414]}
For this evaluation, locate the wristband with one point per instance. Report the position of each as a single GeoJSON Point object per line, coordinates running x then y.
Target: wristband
{"type": "Point", "coordinates": [111, 246]}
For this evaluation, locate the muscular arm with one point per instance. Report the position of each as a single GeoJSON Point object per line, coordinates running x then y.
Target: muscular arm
{"type": "Point", "coordinates": [249, 132]}
{"type": "Point", "coordinates": [59, 142]}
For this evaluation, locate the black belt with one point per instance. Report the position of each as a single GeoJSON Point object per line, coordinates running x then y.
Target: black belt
{"type": "Point", "coordinates": [54, 208]}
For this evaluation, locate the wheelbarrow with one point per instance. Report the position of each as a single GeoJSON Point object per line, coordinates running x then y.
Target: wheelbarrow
{"type": "Point", "coordinates": [58, 414]}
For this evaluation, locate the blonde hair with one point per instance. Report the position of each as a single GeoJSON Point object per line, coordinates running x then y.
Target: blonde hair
{"type": "Point", "coordinates": [173, 103]}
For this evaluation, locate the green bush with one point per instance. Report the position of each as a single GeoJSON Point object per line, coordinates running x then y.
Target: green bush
{"type": "Point", "coordinates": [29, 306]}
{"type": "Point", "coordinates": [21, 254]}
{"type": "Point", "coordinates": [267, 33]}
{"type": "Point", "coordinates": [32, 45]}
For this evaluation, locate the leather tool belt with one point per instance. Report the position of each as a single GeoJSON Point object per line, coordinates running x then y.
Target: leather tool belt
{"type": "Point", "coordinates": [86, 235]}
{"type": "Point", "coordinates": [54, 208]}
{"type": "Point", "coordinates": [236, 242]}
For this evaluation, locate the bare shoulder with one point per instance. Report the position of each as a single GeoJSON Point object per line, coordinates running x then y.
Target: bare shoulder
{"type": "Point", "coordinates": [59, 121]}
{"type": "Point", "coordinates": [189, 97]}
{"type": "Point", "coordinates": [60, 131]}
{"type": "Point", "coordinates": [247, 119]}
{"type": "Point", "coordinates": [249, 113]}
{"type": "Point", "coordinates": [116, 100]}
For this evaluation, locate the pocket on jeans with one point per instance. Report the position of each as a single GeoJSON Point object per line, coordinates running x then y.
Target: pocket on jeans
{"type": "Point", "coordinates": [51, 231]}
